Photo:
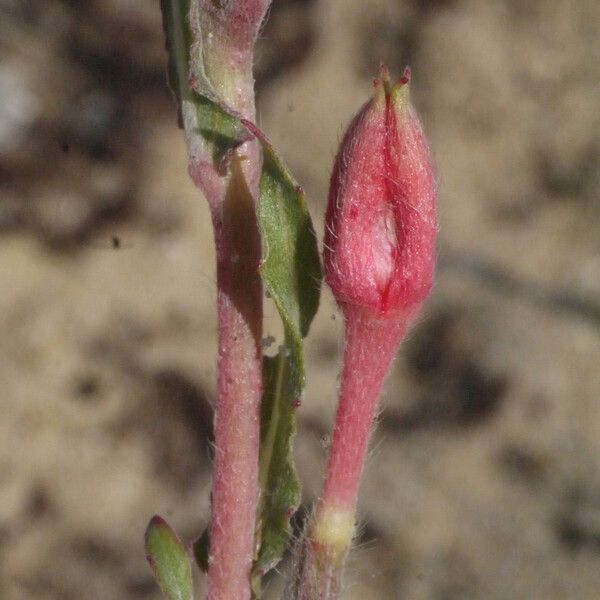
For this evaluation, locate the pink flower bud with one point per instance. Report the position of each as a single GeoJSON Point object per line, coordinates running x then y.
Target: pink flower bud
{"type": "Point", "coordinates": [380, 223]}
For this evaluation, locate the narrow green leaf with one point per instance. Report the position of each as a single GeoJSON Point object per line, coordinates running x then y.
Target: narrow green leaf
{"type": "Point", "coordinates": [167, 556]}
{"type": "Point", "coordinates": [290, 267]}
{"type": "Point", "coordinates": [220, 130]}
{"type": "Point", "coordinates": [279, 483]}
{"type": "Point", "coordinates": [291, 272]}
{"type": "Point", "coordinates": [178, 38]}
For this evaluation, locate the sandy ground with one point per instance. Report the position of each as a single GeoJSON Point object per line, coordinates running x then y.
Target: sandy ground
{"type": "Point", "coordinates": [484, 478]}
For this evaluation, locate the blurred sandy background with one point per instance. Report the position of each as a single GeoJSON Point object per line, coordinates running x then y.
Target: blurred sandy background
{"type": "Point", "coordinates": [484, 479]}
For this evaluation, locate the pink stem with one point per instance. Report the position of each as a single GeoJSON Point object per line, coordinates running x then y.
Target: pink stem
{"type": "Point", "coordinates": [239, 363]}
{"type": "Point", "coordinates": [227, 31]}
{"type": "Point", "coordinates": [370, 346]}
{"type": "Point", "coordinates": [235, 491]}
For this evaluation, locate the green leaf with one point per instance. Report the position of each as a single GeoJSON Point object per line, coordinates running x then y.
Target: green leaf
{"type": "Point", "coordinates": [221, 131]}
{"type": "Point", "coordinates": [279, 483]}
{"type": "Point", "coordinates": [169, 560]}
{"type": "Point", "coordinates": [178, 38]}
{"type": "Point", "coordinates": [291, 273]}
{"type": "Point", "coordinates": [290, 266]}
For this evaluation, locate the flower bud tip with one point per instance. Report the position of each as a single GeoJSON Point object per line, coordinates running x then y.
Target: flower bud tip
{"type": "Point", "coordinates": [400, 91]}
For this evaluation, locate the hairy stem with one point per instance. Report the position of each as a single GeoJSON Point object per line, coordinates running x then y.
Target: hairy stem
{"type": "Point", "coordinates": [239, 301]}
{"type": "Point", "coordinates": [369, 350]}
{"type": "Point", "coordinates": [232, 201]}
{"type": "Point", "coordinates": [210, 68]}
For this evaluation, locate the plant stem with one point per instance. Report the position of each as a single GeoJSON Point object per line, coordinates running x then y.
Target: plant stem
{"type": "Point", "coordinates": [237, 427]}
{"type": "Point", "coordinates": [211, 56]}
{"type": "Point", "coordinates": [370, 347]}
{"type": "Point", "coordinates": [232, 200]}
